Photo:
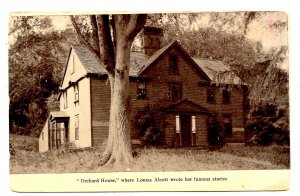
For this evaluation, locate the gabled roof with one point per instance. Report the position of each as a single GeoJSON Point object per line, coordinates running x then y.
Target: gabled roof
{"type": "Point", "coordinates": [186, 105]}
{"type": "Point", "coordinates": [217, 71]}
{"type": "Point", "coordinates": [93, 65]}
{"type": "Point", "coordinates": [155, 56]}
{"type": "Point", "coordinates": [89, 60]}
{"type": "Point", "coordinates": [165, 49]}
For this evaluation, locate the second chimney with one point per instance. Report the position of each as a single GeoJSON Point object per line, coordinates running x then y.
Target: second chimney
{"type": "Point", "coordinates": [152, 39]}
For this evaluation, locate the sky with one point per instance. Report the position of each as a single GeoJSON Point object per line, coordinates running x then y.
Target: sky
{"type": "Point", "coordinates": [262, 30]}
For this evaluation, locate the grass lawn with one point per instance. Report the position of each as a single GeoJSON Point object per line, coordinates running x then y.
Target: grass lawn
{"type": "Point", "coordinates": [26, 159]}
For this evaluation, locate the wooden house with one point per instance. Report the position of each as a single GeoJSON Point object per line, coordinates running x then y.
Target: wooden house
{"type": "Point", "coordinates": [195, 92]}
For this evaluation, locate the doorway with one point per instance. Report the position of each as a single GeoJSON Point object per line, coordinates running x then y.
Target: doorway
{"type": "Point", "coordinates": [186, 130]}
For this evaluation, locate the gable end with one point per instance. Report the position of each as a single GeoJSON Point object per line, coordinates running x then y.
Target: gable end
{"type": "Point", "coordinates": [160, 53]}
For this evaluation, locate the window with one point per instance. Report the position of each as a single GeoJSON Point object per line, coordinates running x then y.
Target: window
{"type": "Point", "coordinates": [227, 125]}
{"type": "Point", "coordinates": [73, 65]}
{"type": "Point", "coordinates": [141, 92]}
{"type": "Point", "coordinates": [53, 128]}
{"type": "Point", "coordinates": [212, 118]}
{"type": "Point", "coordinates": [193, 124]}
{"type": "Point", "coordinates": [177, 124]}
{"type": "Point", "coordinates": [76, 93]}
{"type": "Point", "coordinates": [173, 64]}
{"type": "Point", "coordinates": [175, 91]}
{"type": "Point", "coordinates": [42, 136]}
{"type": "Point", "coordinates": [58, 138]}
{"type": "Point", "coordinates": [194, 143]}
{"type": "Point", "coordinates": [77, 127]}
{"type": "Point", "coordinates": [211, 96]}
{"type": "Point", "coordinates": [226, 96]}
{"type": "Point", "coordinates": [65, 97]}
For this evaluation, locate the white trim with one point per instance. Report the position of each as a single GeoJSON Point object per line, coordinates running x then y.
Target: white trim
{"type": "Point", "coordinates": [177, 124]}
{"type": "Point", "coordinates": [193, 124]}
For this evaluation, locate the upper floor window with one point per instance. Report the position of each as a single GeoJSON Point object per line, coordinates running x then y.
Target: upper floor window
{"type": "Point", "coordinates": [73, 65]}
{"type": "Point", "coordinates": [141, 90]}
{"type": "Point", "coordinates": [226, 96]}
{"type": "Point", "coordinates": [227, 125]}
{"type": "Point", "coordinates": [173, 64]}
{"type": "Point", "coordinates": [212, 118]}
{"type": "Point", "coordinates": [211, 97]}
{"type": "Point", "coordinates": [76, 94]}
{"type": "Point", "coordinates": [175, 91]}
{"type": "Point", "coordinates": [65, 97]}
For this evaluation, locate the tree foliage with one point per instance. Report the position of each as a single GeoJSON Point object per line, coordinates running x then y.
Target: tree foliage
{"type": "Point", "coordinates": [151, 122]}
{"type": "Point", "coordinates": [268, 124]}
{"type": "Point", "coordinates": [36, 61]}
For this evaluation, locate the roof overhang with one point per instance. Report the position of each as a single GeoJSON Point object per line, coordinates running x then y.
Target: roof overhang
{"type": "Point", "coordinates": [187, 107]}
{"type": "Point", "coordinates": [59, 116]}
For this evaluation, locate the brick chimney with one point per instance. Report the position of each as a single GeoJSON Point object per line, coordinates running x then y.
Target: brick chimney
{"type": "Point", "coordinates": [152, 39]}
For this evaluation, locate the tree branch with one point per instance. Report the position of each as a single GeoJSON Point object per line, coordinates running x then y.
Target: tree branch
{"type": "Point", "coordinates": [208, 29]}
{"type": "Point", "coordinates": [95, 34]}
{"type": "Point", "coordinates": [135, 24]}
{"type": "Point", "coordinates": [106, 46]}
{"type": "Point", "coordinates": [82, 39]}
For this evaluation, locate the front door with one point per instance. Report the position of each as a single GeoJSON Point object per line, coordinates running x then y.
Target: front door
{"type": "Point", "coordinates": [186, 130]}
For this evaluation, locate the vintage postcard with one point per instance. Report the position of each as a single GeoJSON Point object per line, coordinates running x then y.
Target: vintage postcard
{"type": "Point", "coordinates": [149, 102]}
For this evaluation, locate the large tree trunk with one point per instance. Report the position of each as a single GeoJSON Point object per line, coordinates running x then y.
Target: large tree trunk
{"type": "Point", "coordinates": [118, 149]}
{"type": "Point", "coordinates": [119, 140]}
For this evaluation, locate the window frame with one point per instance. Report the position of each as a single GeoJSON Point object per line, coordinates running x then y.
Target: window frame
{"type": "Point", "coordinates": [179, 85]}
{"type": "Point", "coordinates": [228, 95]}
{"type": "Point", "coordinates": [76, 93]}
{"type": "Point", "coordinates": [77, 127]}
{"type": "Point", "coordinates": [229, 116]}
{"type": "Point", "coordinates": [211, 91]}
{"type": "Point", "coordinates": [65, 97]}
{"type": "Point", "coordinates": [142, 92]}
{"type": "Point", "coordinates": [173, 65]}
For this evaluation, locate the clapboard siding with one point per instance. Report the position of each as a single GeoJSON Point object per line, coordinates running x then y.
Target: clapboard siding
{"type": "Point", "coordinates": [170, 133]}
{"type": "Point", "coordinates": [100, 98]}
{"type": "Point", "coordinates": [201, 130]}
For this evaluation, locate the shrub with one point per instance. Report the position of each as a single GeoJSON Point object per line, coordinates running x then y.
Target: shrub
{"type": "Point", "coordinates": [268, 124]}
{"type": "Point", "coordinates": [150, 123]}
{"type": "Point", "coordinates": [215, 138]}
